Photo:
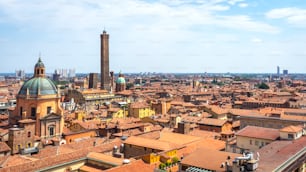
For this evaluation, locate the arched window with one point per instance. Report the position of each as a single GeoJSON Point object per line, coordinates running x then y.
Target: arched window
{"type": "Point", "coordinates": [29, 134]}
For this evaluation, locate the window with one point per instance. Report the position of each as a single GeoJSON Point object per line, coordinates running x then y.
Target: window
{"type": "Point", "coordinates": [21, 111]}
{"type": "Point", "coordinates": [48, 109]}
{"type": "Point", "coordinates": [41, 71]}
{"type": "Point", "coordinates": [33, 112]}
{"type": "Point", "coordinates": [290, 136]}
{"type": "Point", "coordinates": [256, 143]}
{"type": "Point", "coordinates": [262, 144]}
{"type": "Point", "coordinates": [51, 131]}
{"type": "Point", "coordinates": [251, 142]}
{"type": "Point", "coordinates": [29, 134]}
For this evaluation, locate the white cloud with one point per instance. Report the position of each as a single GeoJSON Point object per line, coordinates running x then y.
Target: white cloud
{"type": "Point", "coordinates": [295, 16]}
{"type": "Point", "coordinates": [256, 40]}
{"type": "Point", "coordinates": [89, 15]}
{"type": "Point", "coordinates": [140, 31]}
{"type": "Point", "coordinates": [234, 2]}
{"type": "Point", "coordinates": [243, 5]}
{"type": "Point", "coordinates": [245, 22]}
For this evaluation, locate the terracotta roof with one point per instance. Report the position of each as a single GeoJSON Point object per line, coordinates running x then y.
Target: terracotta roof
{"type": "Point", "coordinates": [104, 158]}
{"type": "Point", "coordinates": [89, 168]}
{"type": "Point", "coordinates": [236, 124]}
{"type": "Point", "coordinates": [51, 157]}
{"type": "Point", "coordinates": [204, 143]}
{"type": "Point", "coordinates": [212, 122]}
{"type": "Point", "coordinates": [218, 110]}
{"type": "Point", "coordinates": [292, 129]}
{"type": "Point", "coordinates": [181, 139]}
{"type": "Point", "coordinates": [133, 166]}
{"type": "Point", "coordinates": [208, 159]}
{"type": "Point", "coordinates": [150, 143]}
{"type": "Point", "coordinates": [259, 132]}
{"type": "Point", "coordinates": [277, 152]}
{"type": "Point", "coordinates": [4, 147]}
{"type": "Point", "coordinates": [139, 105]}
{"type": "Point", "coordinates": [204, 134]}
{"type": "Point", "coordinates": [88, 124]}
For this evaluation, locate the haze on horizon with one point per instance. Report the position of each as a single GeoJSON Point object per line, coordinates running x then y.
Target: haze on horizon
{"type": "Point", "coordinates": [183, 36]}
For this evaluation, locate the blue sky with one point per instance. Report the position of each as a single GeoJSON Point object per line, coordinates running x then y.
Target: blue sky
{"type": "Point", "coordinates": [155, 36]}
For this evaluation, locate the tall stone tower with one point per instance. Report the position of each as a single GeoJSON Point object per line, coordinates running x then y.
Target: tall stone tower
{"type": "Point", "coordinates": [105, 79]}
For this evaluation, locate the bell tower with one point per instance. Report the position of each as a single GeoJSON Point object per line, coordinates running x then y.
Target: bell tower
{"type": "Point", "coordinates": [39, 70]}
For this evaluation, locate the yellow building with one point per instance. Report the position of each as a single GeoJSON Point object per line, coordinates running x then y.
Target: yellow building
{"type": "Point", "coordinates": [117, 113]}
{"type": "Point", "coordinates": [140, 110]}
{"type": "Point", "coordinates": [39, 100]}
{"type": "Point", "coordinates": [150, 150]}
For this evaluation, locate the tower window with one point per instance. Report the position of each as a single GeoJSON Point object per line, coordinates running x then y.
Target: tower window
{"type": "Point", "coordinates": [33, 112]}
{"type": "Point", "coordinates": [41, 71]}
{"type": "Point", "coordinates": [29, 134]}
{"type": "Point", "coordinates": [48, 109]}
{"type": "Point", "coordinates": [21, 109]}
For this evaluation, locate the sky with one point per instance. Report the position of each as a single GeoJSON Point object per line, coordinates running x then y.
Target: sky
{"type": "Point", "coordinates": [170, 36]}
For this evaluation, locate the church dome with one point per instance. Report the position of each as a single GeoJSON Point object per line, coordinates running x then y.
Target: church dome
{"type": "Point", "coordinates": [39, 64]}
{"type": "Point", "coordinates": [38, 86]}
{"type": "Point", "coordinates": [120, 80]}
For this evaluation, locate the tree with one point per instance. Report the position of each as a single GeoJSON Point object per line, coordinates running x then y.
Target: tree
{"type": "Point", "coordinates": [174, 160]}
{"type": "Point", "coordinates": [168, 163]}
{"type": "Point", "coordinates": [263, 85]}
{"type": "Point", "coordinates": [162, 166]}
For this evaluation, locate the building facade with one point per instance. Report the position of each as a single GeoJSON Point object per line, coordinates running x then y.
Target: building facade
{"type": "Point", "coordinates": [39, 100]}
{"type": "Point", "coordinates": [93, 80]}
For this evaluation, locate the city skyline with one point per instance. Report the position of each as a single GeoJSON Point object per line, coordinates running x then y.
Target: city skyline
{"type": "Point", "coordinates": [214, 36]}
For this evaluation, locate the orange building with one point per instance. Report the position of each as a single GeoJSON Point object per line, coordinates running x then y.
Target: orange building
{"type": "Point", "coordinates": [39, 100]}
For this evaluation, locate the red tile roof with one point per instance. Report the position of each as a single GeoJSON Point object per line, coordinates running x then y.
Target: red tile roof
{"type": "Point", "coordinates": [133, 166]}
{"type": "Point", "coordinates": [278, 152]}
{"type": "Point", "coordinates": [259, 132]}
{"type": "Point", "coordinates": [150, 143]}
{"type": "Point", "coordinates": [208, 159]}
{"type": "Point", "coordinates": [292, 129]}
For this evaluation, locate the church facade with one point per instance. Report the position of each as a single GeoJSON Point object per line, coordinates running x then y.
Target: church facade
{"type": "Point", "coordinates": [39, 100]}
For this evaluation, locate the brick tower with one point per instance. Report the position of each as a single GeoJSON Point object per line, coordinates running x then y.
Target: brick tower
{"type": "Point", "coordinates": [105, 79]}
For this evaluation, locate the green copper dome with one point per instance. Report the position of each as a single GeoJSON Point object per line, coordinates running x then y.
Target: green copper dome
{"type": "Point", "coordinates": [38, 86]}
{"type": "Point", "coordinates": [39, 64]}
{"type": "Point", "coordinates": [120, 80]}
